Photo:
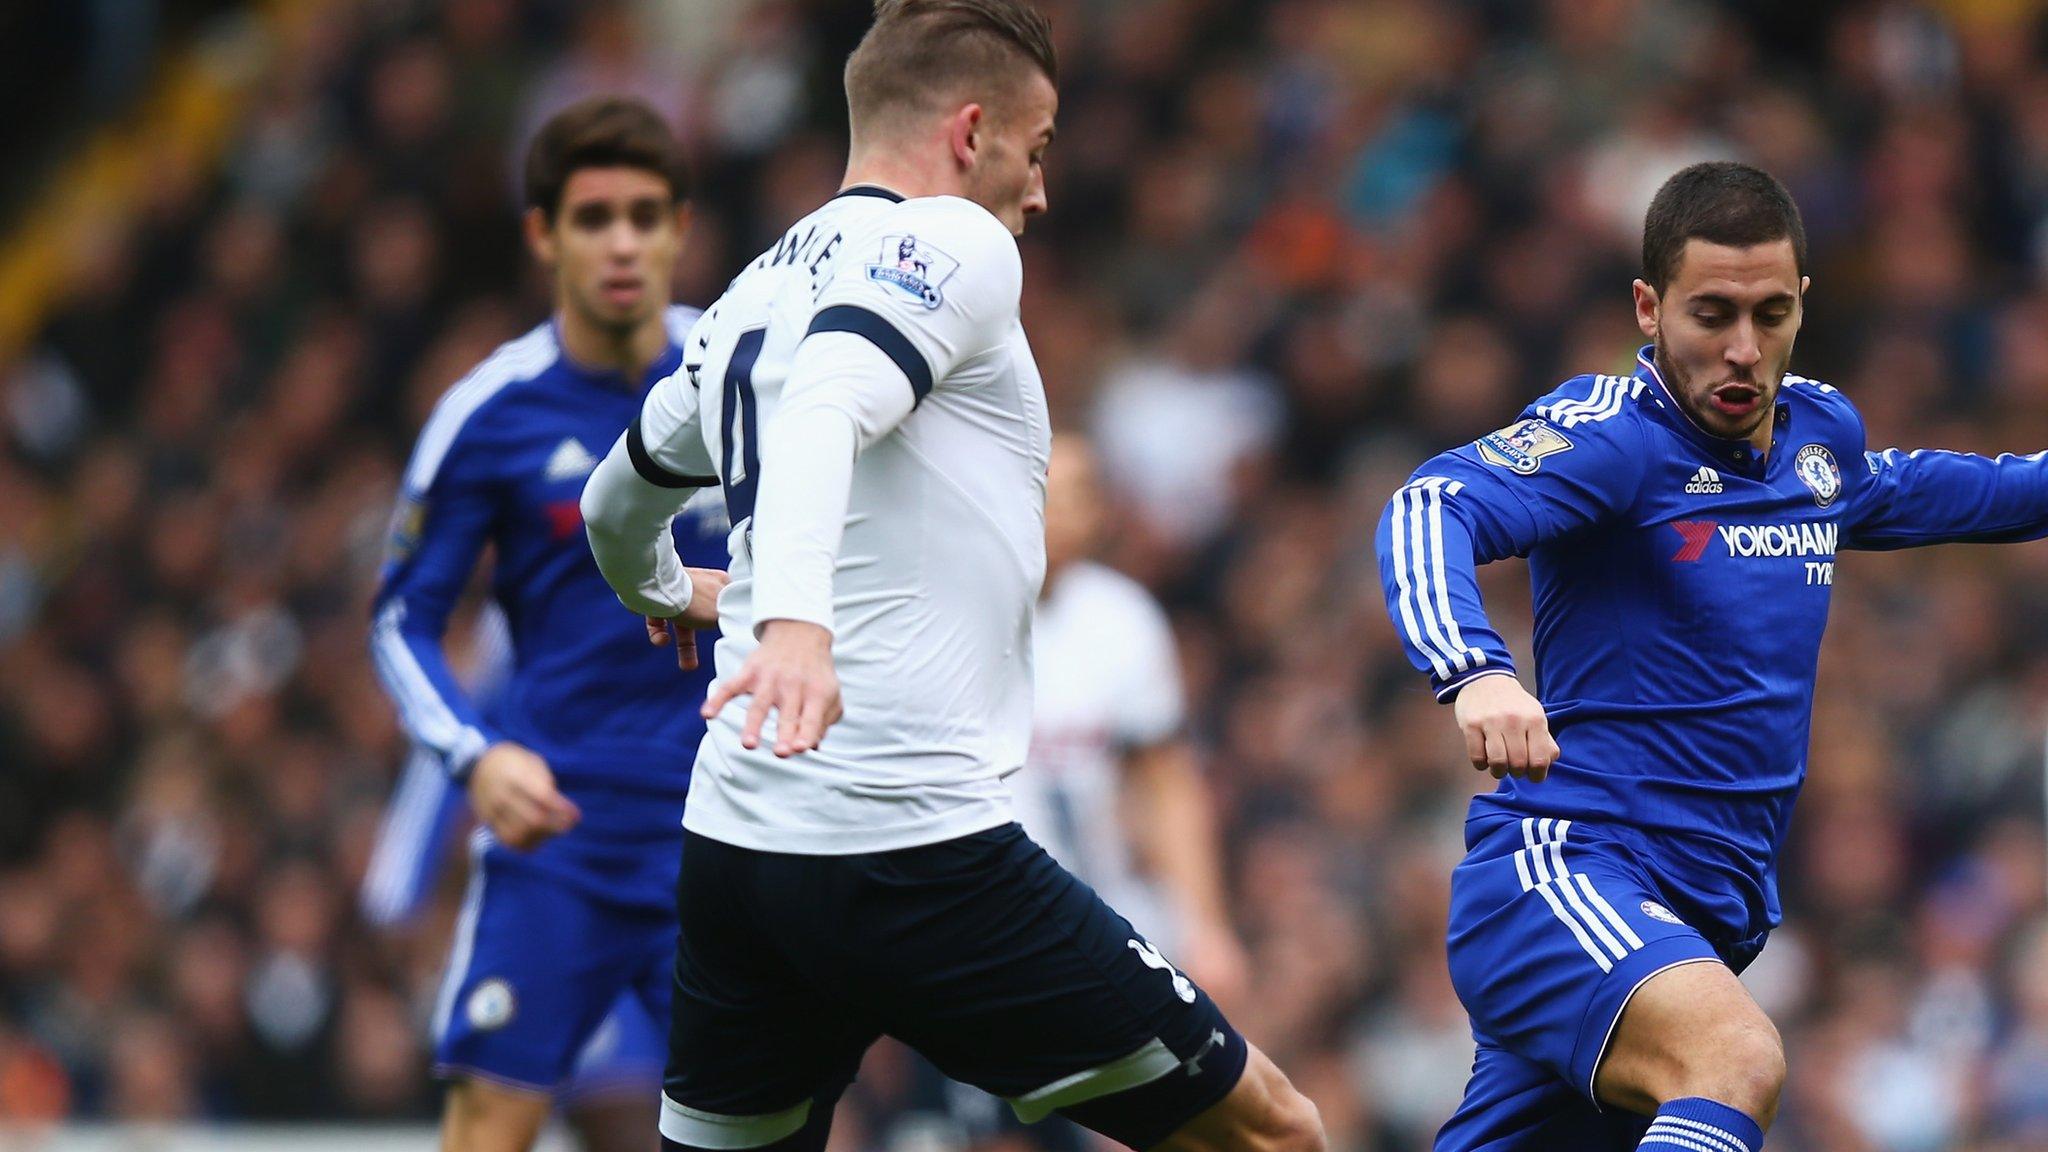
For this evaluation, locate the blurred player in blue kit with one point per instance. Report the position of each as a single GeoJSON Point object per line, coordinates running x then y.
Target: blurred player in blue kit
{"type": "Point", "coordinates": [579, 767]}
{"type": "Point", "coordinates": [1681, 525]}
{"type": "Point", "coordinates": [608, 1095]}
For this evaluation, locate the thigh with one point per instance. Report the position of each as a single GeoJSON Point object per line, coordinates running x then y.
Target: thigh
{"type": "Point", "coordinates": [1693, 1031]}
{"type": "Point", "coordinates": [1551, 932]}
{"type": "Point", "coordinates": [533, 968]}
{"type": "Point", "coordinates": [1011, 975]}
{"type": "Point", "coordinates": [754, 1045]}
{"type": "Point", "coordinates": [1513, 1104]}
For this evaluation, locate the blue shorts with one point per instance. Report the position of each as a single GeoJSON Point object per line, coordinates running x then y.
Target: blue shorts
{"type": "Point", "coordinates": [536, 967]}
{"type": "Point", "coordinates": [624, 1057]}
{"type": "Point", "coordinates": [1553, 927]}
{"type": "Point", "coordinates": [980, 952]}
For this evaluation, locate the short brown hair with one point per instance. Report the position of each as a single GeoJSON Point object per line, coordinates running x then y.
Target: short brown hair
{"type": "Point", "coordinates": [1721, 202]}
{"type": "Point", "coordinates": [918, 51]}
{"type": "Point", "coordinates": [601, 132]}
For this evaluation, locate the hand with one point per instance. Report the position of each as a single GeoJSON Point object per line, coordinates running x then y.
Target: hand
{"type": "Point", "coordinates": [791, 675]}
{"type": "Point", "coordinates": [1506, 732]}
{"type": "Point", "coordinates": [700, 616]}
{"type": "Point", "coordinates": [1213, 958]}
{"type": "Point", "coordinates": [512, 790]}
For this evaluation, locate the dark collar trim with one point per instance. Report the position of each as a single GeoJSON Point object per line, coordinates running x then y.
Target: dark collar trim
{"type": "Point", "coordinates": [875, 190]}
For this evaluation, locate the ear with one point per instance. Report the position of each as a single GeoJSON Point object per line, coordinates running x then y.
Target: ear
{"type": "Point", "coordinates": [683, 218]}
{"type": "Point", "coordinates": [540, 237]}
{"type": "Point", "coordinates": [963, 133]}
{"type": "Point", "coordinates": [1647, 308]}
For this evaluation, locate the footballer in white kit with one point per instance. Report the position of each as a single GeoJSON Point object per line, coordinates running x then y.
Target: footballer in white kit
{"type": "Point", "coordinates": [864, 396]}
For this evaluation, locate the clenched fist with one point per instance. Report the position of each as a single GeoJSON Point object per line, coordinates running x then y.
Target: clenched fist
{"type": "Point", "coordinates": [1506, 732]}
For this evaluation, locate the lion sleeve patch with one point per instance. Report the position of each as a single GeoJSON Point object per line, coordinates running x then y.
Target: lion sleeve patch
{"type": "Point", "coordinates": [1520, 448]}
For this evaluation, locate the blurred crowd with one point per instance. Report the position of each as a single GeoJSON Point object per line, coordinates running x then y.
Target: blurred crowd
{"type": "Point", "coordinates": [1294, 248]}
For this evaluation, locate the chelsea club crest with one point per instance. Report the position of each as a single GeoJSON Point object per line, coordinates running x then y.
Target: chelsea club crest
{"type": "Point", "coordinates": [1816, 468]}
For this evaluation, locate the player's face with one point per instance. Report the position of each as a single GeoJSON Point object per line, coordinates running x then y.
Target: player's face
{"type": "Point", "coordinates": [613, 246]}
{"type": "Point", "coordinates": [1008, 176]}
{"type": "Point", "coordinates": [1724, 328]}
{"type": "Point", "coordinates": [1073, 503]}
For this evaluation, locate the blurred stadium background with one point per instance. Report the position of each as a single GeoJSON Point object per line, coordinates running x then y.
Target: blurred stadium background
{"type": "Point", "coordinates": [1294, 247]}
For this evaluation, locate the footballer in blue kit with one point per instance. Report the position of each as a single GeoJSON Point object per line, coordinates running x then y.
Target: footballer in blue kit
{"type": "Point", "coordinates": [579, 767]}
{"type": "Point", "coordinates": [1682, 525]}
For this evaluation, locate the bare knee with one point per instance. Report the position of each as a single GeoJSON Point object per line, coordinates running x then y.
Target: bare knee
{"type": "Point", "coordinates": [1296, 1124]}
{"type": "Point", "coordinates": [1740, 1064]}
{"type": "Point", "coordinates": [1694, 1031]}
{"type": "Point", "coordinates": [1744, 1068]}
{"type": "Point", "coordinates": [1264, 1113]}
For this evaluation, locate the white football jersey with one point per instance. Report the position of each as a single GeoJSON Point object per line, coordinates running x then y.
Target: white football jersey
{"type": "Point", "coordinates": [1107, 681]}
{"type": "Point", "coordinates": [943, 546]}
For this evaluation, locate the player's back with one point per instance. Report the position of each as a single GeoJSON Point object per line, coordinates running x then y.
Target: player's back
{"type": "Point", "coordinates": [943, 547]}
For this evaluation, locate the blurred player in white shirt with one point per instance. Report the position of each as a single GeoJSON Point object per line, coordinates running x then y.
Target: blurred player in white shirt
{"type": "Point", "coordinates": [1111, 787]}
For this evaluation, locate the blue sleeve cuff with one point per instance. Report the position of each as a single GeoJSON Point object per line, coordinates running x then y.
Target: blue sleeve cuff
{"type": "Point", "coordinates": [469, 748]}
{"type": "Point", "coordinates": [1449, 690]}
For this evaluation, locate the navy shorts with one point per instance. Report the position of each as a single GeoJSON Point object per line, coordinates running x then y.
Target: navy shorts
{"type": "Point", "coordinates": [981, 952]}
{"type": "Point", "coordinates": [536, 969]}
{"type": "Point", "coordinates": [1553, 928]}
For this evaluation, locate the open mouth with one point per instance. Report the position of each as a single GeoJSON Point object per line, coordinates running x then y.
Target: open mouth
{"type": "Point", "coordinates": [1736, 399]}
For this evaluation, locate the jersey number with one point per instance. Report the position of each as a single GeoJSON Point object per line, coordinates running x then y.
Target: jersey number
{"type": "Point", "coordinates": [741, 427]}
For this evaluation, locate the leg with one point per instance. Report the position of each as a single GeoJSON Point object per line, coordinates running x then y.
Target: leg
{"type": "Point", "coordinates": [1694, 1033]}
{"type": "Point", "coordinates": [1263, 1113]}
{"type": "Point", "coordinates": [511, 1016]}
{"type": "Point", "coordinates": [758, 1054]}
{"type": "Point", "coordinates": [1517, 1105]}
{"type": "Point", "coordinates": [613, 1097]}
{"type": "Point", "coordinates": [481, 1117]}
{"type": "Point", "coordinates": [1554, 930]}
{"type": "Point", "coordinates": [1011, 975]}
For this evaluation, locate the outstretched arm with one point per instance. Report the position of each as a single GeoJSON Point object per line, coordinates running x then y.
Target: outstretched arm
{"type": "Point", "coordinates": [1930, 496]}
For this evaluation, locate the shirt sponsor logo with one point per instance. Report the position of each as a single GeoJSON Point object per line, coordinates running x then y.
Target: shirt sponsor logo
{"type": "Point", "coordinates": [1816, 468]}
{"type": "Point", "coordinates": [914, 267]}
{"type": "Point", "coordinates": [1752, 541]}
{"type": "Point", "coordinates": [1520, 448]}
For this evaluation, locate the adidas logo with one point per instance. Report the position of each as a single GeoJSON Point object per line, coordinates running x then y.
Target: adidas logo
{"type": "Point", "coordinates": [1705, 482]}
{"type": "Point", "coordinates": [571, 461]}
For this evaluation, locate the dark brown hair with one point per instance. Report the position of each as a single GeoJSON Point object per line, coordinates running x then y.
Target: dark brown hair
{"type": "Point", "coordinates": [918, 52]}
{"type": "Point", "coordinates": [1721, 202]}
{"type": "Point", "coordinates": [601, 132]}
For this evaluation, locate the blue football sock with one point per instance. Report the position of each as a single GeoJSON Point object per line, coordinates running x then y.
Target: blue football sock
{"type": "Point", "coordinates": [1696, 1124]}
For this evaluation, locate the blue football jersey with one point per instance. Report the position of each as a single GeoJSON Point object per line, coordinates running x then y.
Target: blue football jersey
{"type": "Point", "coordinates": [1681, 587]}
{"type": "Point", "coordinates": [501, 463]}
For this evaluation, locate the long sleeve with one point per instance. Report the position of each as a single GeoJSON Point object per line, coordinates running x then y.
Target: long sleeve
{"type": "Point", "coordinates": [442, 523]}
{"type": "Point", "coordinates": [1937, 497]}
{"type": "Point", "coordinates": [844, 393]}
{"type": "Point", "coordinates": [1501, 496]}
{"type": "Point", "coordinates": [634, 494]}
